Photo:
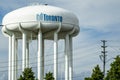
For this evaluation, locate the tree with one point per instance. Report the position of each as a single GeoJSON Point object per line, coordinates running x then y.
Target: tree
{"type": "Point", "coordinates": [27, 74]}
{"type": "Point", "coordinates": [49, 76]}
{"type": "Point", "coordinates": [88, 78]}
{"type": "Point", "coordinates": [114, 72]}
{"type": "Point", "coordinates": [97, 74]}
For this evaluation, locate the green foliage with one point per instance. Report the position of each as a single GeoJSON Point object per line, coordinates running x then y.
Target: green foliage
{"type": "Point", "coordinates": [97, 74]}
{"type": "Point", "coordinates": [114, 72]}
{"type": "Point", "coordinates": [88, 78]}
{"type": "Point", "coordinates": [27, 74]}
{"type": "Point", "coordinates": [49, 76]}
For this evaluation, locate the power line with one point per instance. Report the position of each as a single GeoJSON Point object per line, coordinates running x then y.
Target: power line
{"type": "Point", "coordinates": [60, 58]}
{"type": "Point", "coordinates": [60, 52]}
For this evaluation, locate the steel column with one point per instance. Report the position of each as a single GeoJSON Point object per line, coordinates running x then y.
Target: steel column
{"type": "Point", "coordinates": [55, 56]}
{"type": "Point", "coordinates": [67, 57]}
{"type": "Point", "coordinates": [27, 54]}
{"type": "Point", "coordinates": [40, 57]}
{"type": "Point", "coordinates": [13, 57]}
{"type": "Point", "coordinates": [10, 59]}
{"type": "Point", "coordinates": [70, 60]}
{"type": "Point", "coordinates": [24, 51]}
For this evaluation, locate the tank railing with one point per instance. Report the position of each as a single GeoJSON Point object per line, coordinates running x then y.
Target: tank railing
{"type": "Point", "coordinates": [41, 22]}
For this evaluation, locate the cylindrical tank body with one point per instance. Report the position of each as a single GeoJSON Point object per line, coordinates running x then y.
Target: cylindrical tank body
{"type": "Point", "coordinates": [48, 17]}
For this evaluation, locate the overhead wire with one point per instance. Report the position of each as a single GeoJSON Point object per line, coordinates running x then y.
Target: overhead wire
{"type": "Point", "coordinates": [46, 64]}
{"type": "Point", "coordinates": [59, 52]}
{"type": "Point", "coordinates": [77, 58]}
{"type": "Point", "coordinates": [57, 63]}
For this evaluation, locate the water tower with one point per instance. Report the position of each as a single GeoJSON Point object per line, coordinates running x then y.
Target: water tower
{"type": "Point", "coordinates": [42, 22]}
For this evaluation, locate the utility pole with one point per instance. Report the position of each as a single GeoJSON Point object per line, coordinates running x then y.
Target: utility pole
{"type": "Point", "coordinates": [103, 56]}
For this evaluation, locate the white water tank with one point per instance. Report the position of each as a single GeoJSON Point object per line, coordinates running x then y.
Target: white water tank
{"type": "Point", "coordinates": [48, 17]}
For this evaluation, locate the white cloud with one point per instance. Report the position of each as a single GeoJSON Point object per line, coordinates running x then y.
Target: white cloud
{"type": "Point", "coordinates": [95, 14]}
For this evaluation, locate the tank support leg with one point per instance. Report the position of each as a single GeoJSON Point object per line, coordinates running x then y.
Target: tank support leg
{"type": "Point", "coordinates": [67, 57]}
{"type": "Point", "coordinates": [13, 57]}
{"type": "Point", "coordinates": [40, 56]}
{"type": "Point", "coordinates": [27, 54]}
{"type": "Point", "coordinates": [24, 51]}
{"type": "Point", "coordinates": [55, 56]}
{"type": "Point", "coordinates": [70, 60]}
{"type": "Point", "coordinates": [10, 59]}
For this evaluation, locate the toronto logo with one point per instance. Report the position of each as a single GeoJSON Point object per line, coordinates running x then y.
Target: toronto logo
{"type": "Point", "coordinates": [46, 17]}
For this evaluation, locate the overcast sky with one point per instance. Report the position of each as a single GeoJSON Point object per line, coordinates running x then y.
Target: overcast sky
{"type": "Point", "coordinates": [98, 20]}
